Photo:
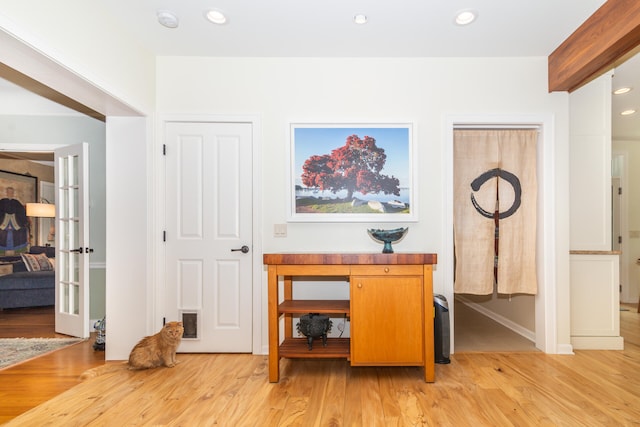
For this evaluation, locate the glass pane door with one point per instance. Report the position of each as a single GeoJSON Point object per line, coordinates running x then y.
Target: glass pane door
{"type": "Point", "coordinates": [72, 273]}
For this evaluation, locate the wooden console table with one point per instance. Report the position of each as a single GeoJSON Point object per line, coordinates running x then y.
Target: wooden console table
{"type": "Point", "coordinates": [390, 309]}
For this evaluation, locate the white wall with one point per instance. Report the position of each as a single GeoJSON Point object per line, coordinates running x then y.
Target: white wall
{"type": "Point", "coordinates": [595, 304]}
{"type": "Point", "coordinates": [590, 166]}
{"type": "Point", "coordinates": [128, 300]}
{"type": "Point", "coordinates": [422, 91]}
{"type": "Point", "coordinates": [78, 37]}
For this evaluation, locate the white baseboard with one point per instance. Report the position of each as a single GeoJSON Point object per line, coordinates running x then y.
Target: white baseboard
{"type": "Point", "coordinates": [518, 329]}
{"type": "Point", "coordinates": [597, 343]}
{"type": "Point", "coordinates": [565, 349]}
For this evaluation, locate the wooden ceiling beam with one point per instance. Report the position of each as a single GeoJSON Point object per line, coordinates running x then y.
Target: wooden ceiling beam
{"type": "Point", "coordinates": [26, 82]}
{"type": "Point", "coordinates": [603, 41]}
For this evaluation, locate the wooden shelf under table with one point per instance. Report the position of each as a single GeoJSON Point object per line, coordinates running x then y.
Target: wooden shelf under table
{"type": "Point", "coordinates": [315, 306]}
{"type": "Point", "coordinates": [297, 348]}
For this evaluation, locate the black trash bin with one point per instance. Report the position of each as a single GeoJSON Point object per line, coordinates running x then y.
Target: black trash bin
{"type": "Point", "coordinates": [441, 334]}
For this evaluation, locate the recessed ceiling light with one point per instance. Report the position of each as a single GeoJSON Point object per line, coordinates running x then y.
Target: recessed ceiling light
{"type": "Point", "coordinates": [628, 112]}
{"type": "Point", "coordinates": [360, 19]}
{"type": "Point", "coordinates": [166, 18]}
{"type": "Point", "coordinates": [466, 17]}
{"type": "Point", "coordinates": [621, 90]}
{"type": "Point", "coordinates": [215, 16]}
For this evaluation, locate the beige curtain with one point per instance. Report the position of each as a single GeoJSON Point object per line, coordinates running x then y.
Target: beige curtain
{"type": "Point", "coordinates": [495, 171]}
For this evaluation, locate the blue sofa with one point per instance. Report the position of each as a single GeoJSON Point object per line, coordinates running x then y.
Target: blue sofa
{"type": "Point", "coordinates": [25, 288]}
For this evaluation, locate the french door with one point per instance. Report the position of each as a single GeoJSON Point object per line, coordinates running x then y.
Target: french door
{"type": "Point", "coordinates": [72, 240]}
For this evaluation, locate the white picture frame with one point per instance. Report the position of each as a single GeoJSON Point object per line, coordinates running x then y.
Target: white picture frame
{"type": "Point", "coordinates": [329, 182]}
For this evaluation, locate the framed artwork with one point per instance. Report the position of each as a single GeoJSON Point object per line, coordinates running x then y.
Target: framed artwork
{"type": "Point", "coordinates": [352, 173]}
{"type": "Point", "coordinates": [16, 190]}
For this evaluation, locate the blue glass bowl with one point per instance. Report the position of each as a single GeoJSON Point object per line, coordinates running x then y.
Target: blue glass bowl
{"type": "Point", "coordinates": [387, 237]}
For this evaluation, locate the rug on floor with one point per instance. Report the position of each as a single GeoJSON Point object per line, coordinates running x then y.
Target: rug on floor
{"type": "Point", "coordinates": [18, 350]}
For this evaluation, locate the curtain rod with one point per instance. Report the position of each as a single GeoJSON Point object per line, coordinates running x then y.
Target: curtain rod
{"type": "Point", "coordinates": [494, 126]}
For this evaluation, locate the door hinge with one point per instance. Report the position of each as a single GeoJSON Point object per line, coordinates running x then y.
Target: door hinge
{"type": "Point", "coordinates": [619, 240]}
{"type": "Point", "coordinates": [164, 321]}
{"type": "Point", "coordinates": [164, 236]}
{"type": "Point", "coordinates": [164, 149]}
{"type": "Point", "coordinates": [619, 190]}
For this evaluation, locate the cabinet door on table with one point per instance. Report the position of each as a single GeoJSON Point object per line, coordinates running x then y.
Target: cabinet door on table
{"type": "Point", "coordinates": [387, 320]}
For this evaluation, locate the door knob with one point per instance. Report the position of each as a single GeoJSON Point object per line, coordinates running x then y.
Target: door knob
{"type": "Point", "coordinates": [244, 249]}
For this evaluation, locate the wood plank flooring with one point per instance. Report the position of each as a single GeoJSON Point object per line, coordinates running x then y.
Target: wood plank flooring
{"type": "Point", "coordinates": [27, 385]}
{"type": "Point", "coordinates": [37, 322]}
{"type": "Point", "coordinates": [590, 388]}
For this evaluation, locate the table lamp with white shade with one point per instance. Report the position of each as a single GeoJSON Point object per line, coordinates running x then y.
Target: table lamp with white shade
{"type": "Point", "coordinates": [43, 210]}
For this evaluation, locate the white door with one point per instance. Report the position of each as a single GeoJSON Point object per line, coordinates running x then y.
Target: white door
{"type": "Point", "coordinates": [208, 234]}
{"type": "Point", "coordinates": [72, 240]}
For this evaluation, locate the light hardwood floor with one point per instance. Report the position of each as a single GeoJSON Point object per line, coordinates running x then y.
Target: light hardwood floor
{"type": "Point", "coordinates": [590, 388]}
{"type": "Point", "coordinates": [27, 385]}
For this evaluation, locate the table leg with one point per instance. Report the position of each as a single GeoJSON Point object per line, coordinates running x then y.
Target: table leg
{"type": "Point", "coordinates": [429, 314]}
{"type": "Point", "coordinates": [274, 344]}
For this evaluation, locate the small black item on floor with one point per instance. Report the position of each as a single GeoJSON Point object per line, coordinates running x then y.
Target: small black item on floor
{"type": "Point", "coordinates": [441, 334]}
{"type": "Point", "coordinates": [99, 326]}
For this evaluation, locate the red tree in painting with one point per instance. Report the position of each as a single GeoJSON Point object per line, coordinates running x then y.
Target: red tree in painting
{"type": "Point", "coordinates": [356, 166]}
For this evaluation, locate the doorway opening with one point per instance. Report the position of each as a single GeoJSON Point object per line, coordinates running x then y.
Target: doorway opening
{"type": "Point", "coordinates": [37, 320]}
{"type": "Point", "coordinates": [57, 276]}
{"type": "Point", "coordinates": [543, 335]}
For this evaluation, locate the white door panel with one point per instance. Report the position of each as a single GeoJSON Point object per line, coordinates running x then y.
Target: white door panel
{"type": "Point", "coordinates": [72, 240]}
{"type": "Point", "coordinates": [209, 216]}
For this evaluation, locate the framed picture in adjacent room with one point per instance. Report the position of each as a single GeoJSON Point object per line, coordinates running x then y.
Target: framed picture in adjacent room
{"type": "Point", "coordinates": [16, 190]}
